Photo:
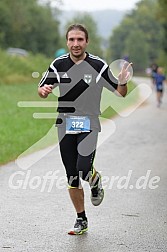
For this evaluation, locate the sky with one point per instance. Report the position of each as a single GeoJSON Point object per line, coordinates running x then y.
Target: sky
{"type": "Point", "coordinates": [92, 5]}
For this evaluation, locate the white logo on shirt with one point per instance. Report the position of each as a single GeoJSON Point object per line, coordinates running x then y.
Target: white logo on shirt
{"type": "Point", "coordinates": [65, 75]}
{"type": "Point", "coordinates": [88, 78]}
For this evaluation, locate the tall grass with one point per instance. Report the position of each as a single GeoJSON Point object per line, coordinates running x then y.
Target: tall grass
{"type": "Point", "coordinates": [19, 69]}
{"type": "Point", "coordinates": [18, 129]}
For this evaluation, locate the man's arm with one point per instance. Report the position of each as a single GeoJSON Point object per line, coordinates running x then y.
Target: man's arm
{"type": "Point", "coordinates": [116, 85]}
{"type": "Point", "coordinates": [122, 90]}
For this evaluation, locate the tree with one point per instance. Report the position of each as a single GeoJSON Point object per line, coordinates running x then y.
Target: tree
{"type": "Point", "coordinates": [162, 17]}
{"type": "Point", "coordinates": [138, 28]}
{"type": "Point", "coordinates": [28, 25]}
{"type": "Point", "coordinates": [137, 50]}
{"type": "Point", "coordinates": [144, 16]}
{"type": "Point", "coordinates": [118, 37]}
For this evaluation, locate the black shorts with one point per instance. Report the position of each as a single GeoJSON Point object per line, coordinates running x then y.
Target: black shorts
{"type": "Point", "coordinates": [160, 90]}
{"type": "Point", "coordinates": [78, 152]}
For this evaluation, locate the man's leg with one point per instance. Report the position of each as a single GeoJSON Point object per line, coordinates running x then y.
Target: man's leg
{"type": "Point", "coordinates": [77, 197]}
{"type": "Point", "coordinates": [87, 149]}
{"type": "Point", "coordinates": [69, 154]}
{"type": "Point", "coordinates": [158, 98]}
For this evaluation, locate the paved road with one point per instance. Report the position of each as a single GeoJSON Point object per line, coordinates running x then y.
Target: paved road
{"type": "Point", "coordinates": [36, 215]}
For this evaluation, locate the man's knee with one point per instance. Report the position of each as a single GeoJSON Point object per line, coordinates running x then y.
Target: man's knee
{"type": "Point", "coordinates": [73, 181]}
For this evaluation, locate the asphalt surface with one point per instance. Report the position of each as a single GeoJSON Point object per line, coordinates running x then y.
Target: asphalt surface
{"type": "Point", "coordinates": [36, 213]}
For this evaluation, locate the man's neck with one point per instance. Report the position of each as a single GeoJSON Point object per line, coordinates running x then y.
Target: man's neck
{"type": "Point", "coordinates": [77, 60]}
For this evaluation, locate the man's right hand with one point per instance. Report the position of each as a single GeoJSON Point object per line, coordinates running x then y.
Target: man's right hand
{"type": "Point", "coordinates": [45, 90]}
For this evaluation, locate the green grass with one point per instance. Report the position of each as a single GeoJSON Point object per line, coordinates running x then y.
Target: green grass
{"type": "Point", "coordinates": [18, 129]}
{"type": "Point", "coordinates": [110, 101]}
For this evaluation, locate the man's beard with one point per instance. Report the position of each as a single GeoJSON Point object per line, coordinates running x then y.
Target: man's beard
{"type": "Point", "coordinates": [77, 55]}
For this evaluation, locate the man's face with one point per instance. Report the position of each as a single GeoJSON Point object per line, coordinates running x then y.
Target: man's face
{"type": "Point", "coordinates": [76, 43]}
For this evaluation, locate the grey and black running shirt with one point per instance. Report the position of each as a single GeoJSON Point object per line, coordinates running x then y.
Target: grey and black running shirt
{"type": "Point", "coordinates": [80, 84]}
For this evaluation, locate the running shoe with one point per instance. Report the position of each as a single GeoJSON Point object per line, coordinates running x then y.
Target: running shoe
{"type": "Point", "coordinates": [80, 227]}
{"type": "Point", "coordinates": [97, 192]}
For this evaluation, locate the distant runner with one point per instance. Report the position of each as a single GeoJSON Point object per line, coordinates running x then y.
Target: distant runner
{"type": "Point", "coordinates": [159, 79]}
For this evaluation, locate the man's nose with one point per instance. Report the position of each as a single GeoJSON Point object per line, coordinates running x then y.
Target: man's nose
{"type": "Point", "coordinates": [75, 42]}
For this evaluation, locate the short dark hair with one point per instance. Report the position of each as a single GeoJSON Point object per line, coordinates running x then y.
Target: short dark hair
{"type": "Point", "coordinates": [79, 27]}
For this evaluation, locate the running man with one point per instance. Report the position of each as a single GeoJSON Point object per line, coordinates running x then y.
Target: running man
{"type": "Point", "coordinates": [159, 79]}
{"type": "Point", "coordinates": [80, 77]}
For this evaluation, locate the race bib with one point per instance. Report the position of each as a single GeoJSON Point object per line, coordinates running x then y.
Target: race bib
{"type": "Point", "coordinates": [77, 124]}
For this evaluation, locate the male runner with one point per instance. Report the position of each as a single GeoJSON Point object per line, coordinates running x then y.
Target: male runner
{"type": "Point", "coordinates": [80, 77]}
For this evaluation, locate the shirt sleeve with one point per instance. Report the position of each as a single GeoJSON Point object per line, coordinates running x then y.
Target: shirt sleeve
{"type": "Point", "coordinates": [108, 80]}
{"type": "Point", "coordinates": [50, 77]}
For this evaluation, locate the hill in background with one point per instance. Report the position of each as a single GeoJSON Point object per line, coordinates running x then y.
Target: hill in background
{"type": "Point", "coordinates": [106, 20]}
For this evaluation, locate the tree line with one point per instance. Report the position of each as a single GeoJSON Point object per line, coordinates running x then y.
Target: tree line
{"type": "Point", "coordinates": [34, 26]}
{"type": "Point", "coordinates": [140, 37]}
{"type": "Point", "coordinates": [29, 25]}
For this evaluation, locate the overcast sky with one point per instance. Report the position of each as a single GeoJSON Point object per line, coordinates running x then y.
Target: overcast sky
{"type": "Point", "coordinates": [91, 5]}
